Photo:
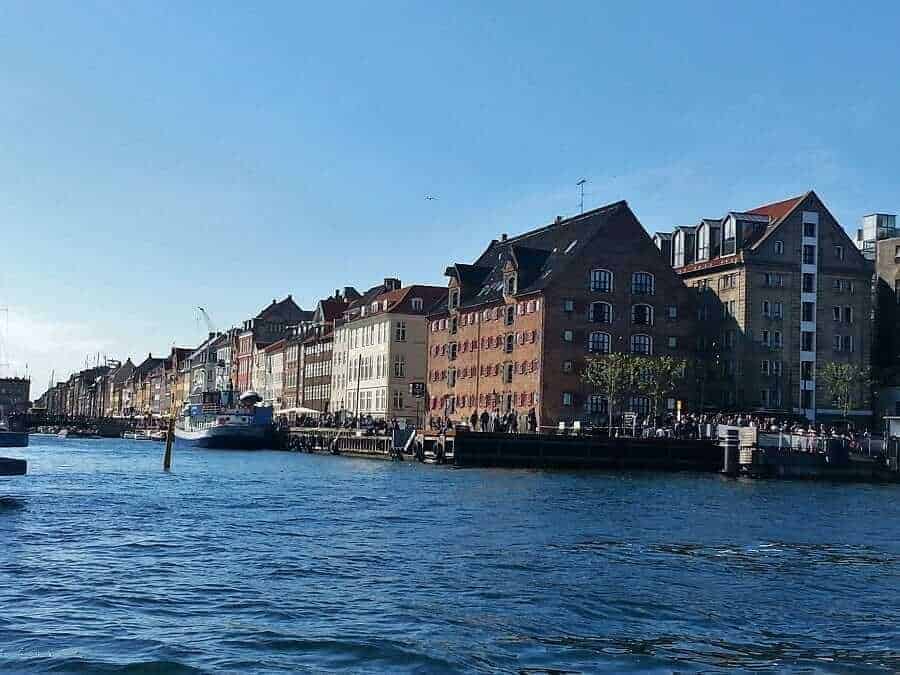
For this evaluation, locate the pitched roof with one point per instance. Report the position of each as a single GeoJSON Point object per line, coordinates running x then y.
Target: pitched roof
{"type": "Point", "coordinates": [284, 310]}
{"type": "Point", "coordinates": [538, 254]}
{"type": "Point", "coordinates": [777, 210]}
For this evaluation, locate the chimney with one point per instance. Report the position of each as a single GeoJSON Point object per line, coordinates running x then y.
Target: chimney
{"type": "Point", "coordinates": [337, 293]}
{"type": "Point", "coordinates": [558, 219]}
{"type": "Point", "coordinates": [503, 237]}
{"type": "Point", "coordinates": [859, 235]}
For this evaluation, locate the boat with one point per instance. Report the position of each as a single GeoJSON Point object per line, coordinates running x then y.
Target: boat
{"type": "Point", "coordinates": [245, 427]}
{"type": "Point", "coordinates": [12, 439]}
{"type": "Point", "coordinates": [158, 435]}
{"type": "Point", "coordinates": [140, 435]}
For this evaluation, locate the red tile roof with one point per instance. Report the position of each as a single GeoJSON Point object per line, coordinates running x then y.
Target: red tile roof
{"type": "Point", "coordinates": [777, 210]}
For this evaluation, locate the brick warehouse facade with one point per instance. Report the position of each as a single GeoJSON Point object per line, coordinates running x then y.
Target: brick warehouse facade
{"type": "Point", "coordinates": [516, 326]}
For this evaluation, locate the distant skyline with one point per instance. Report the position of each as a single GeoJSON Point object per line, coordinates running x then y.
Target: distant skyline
{"type": "Point", "coordinates": [159, 156]}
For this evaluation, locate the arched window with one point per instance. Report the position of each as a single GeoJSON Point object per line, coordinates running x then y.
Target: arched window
{"type": "Point", "coordinates": [600, 312]}
{"type": "Point", "coordinates": [601, 281]}
{"type": "Point", "coordinates": [598, 343]}
{"type": "Point", "coordinates": [641, 344]}
{"type": "Point", "coordinates": [642, 283]}
{"type": "Point", "coordinates": [642, 315]}
{"type": "Point", "coordinates": [510, 342]}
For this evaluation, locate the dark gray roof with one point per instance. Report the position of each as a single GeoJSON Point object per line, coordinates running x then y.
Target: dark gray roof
{"type": "Point", "coordinates": [538, 255]}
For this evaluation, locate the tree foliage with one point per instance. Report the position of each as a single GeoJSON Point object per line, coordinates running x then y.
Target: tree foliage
{"type": "Point", "coordinates": [845, 382]}
{"type": "Point", "coordinates": [619, 375]}
{"type": "Point", "coordinates": [660, 377]}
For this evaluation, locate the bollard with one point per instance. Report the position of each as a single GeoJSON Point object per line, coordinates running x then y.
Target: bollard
{"type": "Point", "coordinates": [170, 437]}
{"type": "Point", "coordinates": [730, 444]}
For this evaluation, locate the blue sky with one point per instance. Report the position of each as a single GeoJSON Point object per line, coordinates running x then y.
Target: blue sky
{"type": "Point", "coordinates": [157, 156]}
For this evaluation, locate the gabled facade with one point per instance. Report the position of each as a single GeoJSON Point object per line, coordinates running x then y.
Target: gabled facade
{"type": "Point", "coordinates": [786, 291]}
{"type": "Point", "coordinates": [516, 326]}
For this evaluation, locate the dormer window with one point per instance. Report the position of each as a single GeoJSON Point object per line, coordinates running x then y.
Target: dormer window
{"type": "Point", "coordinates": [510, 284]}
{"type": "Point", "coordinates": [416, 304]}
{"type": "Point", "coordinates": [454, 298]}
{"type": "Point", "coordinates": [374, 307]}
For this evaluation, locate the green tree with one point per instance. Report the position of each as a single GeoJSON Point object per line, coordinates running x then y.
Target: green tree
{"type": "Point", "coordinates": [615, 375]}
{"type": "Point", "coordinates": [659, 378]}
{"type": "Point", "coordinates": [844, 381]}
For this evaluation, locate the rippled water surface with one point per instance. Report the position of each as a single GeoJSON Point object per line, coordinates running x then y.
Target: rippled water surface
{"type": "Point", "coordinates": [281, 562]}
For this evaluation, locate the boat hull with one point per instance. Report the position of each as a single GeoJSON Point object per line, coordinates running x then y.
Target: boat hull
{"type": "Point", "coordinates": [227, 437]}
{"type": "Point", "coordinates": [13, 439]}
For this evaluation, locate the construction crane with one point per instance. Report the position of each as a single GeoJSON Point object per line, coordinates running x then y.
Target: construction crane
{"type": "Point", "coordinates": [202, 314]}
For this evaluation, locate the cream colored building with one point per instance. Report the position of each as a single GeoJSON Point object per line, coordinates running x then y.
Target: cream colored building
{"type": "Point", "coordinates": [379, 351]}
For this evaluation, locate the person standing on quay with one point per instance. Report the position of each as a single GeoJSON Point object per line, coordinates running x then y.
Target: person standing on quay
{"type": "Point", "coordinates": [485, 420]}
{"type": "Point", "coordinates": [473, 421]}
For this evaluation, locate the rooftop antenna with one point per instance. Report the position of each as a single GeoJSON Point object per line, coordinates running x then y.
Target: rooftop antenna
{"type": "Point", "coordinates": [580, 184]}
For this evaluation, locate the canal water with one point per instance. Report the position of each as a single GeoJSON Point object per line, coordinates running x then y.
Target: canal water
{"type": "Point", "coordinates": [284, 562]}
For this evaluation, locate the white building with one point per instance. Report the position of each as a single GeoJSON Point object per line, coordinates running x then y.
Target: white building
{"type": "Point", "coordinates": [380, 350]}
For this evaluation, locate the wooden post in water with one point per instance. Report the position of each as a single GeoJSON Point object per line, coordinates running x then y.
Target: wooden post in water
{"type": "Point", "coordinates": [170, 438]}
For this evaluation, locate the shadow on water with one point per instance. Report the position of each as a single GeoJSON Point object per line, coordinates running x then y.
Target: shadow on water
{"type": "Point", "coordinates": [12, 504]}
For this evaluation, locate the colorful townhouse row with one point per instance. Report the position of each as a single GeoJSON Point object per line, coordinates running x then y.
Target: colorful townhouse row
{"type": "Point", "coordinates": [754, 301]}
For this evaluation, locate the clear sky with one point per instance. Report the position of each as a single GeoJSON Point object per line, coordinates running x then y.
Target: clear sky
{"type": "Point", "coordinates": [157, 156]}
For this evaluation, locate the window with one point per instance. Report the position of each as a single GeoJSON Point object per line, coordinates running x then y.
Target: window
{"type": "Point", "coordinates": [642, 315]}
{"type": "Point", "coordinates": [417, 304]}
{"type": "Point", "coordinates": [672, 342]}
{"type": "Point", "coordinates": [642, 283]}
{"type": "Point", "coordinates": [400, 331]}
{"type": "Point", "coordinates": [451, 377]}
{"type": "Point", "coordinates": [508, 370]}
{"type": "Point", "coordinates": [452, 351]}
{"type": "Point", "coordinates": [672, 312]}
{"type": "Point", "coordinates": [601, 281]}
{"type": "Point", "coordinates": [809, 282]}
{"type": "Point", "coordinates": [809, 229]}
{"type": "Point", "coordinates": [764, 367]}
{"type": "Point", "coordinates": [848, 314]}
{"type": "Point", "coordinates": [639, 404]}
{"type": "Point", "coordinates": [509, 343]}
{"type": "Point", "coordinates": [600, 312]}
{"type": "Point", "coordinates": [806, 370]}
{"type": "Point", "coordinates": [847, 343]}
{"type": "Point", "coordinates": [836, 313]}
{"type": "Point", "coordinates": [454, 325]}
{"type": "Point", "coordinates": [776, 339]}
{"type": "Point", "coordinates": [510, 284]}
{"type": "Point", "coordinates": [809, 254]}
{"type": "Point", "coordinates": [510, 315]}
{"type": "Point", "coordinates": [641, 344]}
{"type": "Point", "coordinates": [839, 252]}
{"type": "Point", "coordinates": [567, 398]}
{"type": "Point", "coordinates": [766, 308]}
{"type": "Point", "coordinates": [568, 305]}
{"type": "Point", "coordinates": [764, 397]}
{"type": "Point", "coordinates": [778, 310]}
{"type": "Point", "coordinates": [779, 247]}
{"type": "Point", "coordinates": [807, 342]}
{"type": "Point", "coordinates": [806, 399]}
{"type": "Point", "coordinates": [808, 311]}
{"type": "Point", "coordinates": [568, 336]}
{"type": "Point", "coordinates": [765, 338]}
{"type": "Point", "coordinates": [398, 398]}
{"type": "Point", "coordinates": [598, 343]}
{"type": "Point", "coordinates": [597, 405]}
{"type": "Point", "coordinates": [568, 366]}
{"type": "Point", "coordinates": [776, 368]}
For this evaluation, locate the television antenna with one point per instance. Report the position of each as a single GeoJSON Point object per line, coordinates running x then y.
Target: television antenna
{"type": "Point", "coordinates": [580, 184]}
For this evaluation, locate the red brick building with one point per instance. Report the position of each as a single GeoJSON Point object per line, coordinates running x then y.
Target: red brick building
{"type": "Point", "coordinates": [517, 324]}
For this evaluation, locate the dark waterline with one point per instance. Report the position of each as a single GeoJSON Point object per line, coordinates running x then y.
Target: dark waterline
{"type": "Point", "coordinates": [281, 562]}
